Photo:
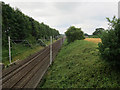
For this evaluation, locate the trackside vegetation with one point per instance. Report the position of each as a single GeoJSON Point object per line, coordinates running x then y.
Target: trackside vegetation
{"type": "Point", "coordinates": [19, 26]}
{"type": "Point", "coordinates": [19, 52]}
{"type": "Point", "coordinates": [78, 65]}
{"type": "Point", "coordinates": [110, 46]}
{"type": "Point", "coordinates": [74, 33]}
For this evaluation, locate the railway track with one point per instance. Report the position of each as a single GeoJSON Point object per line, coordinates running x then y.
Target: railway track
{"type": "Point", "coordinates": [29, 72]}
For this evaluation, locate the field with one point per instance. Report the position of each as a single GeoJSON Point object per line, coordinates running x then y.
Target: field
{"type": "Point", "coordinates": [78, 65]}
{"type": "Point", "coordinates": [95, 40]}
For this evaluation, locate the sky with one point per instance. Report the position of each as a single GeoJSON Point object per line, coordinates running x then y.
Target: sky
{"type": "Point", "coordinates": [61, 14]}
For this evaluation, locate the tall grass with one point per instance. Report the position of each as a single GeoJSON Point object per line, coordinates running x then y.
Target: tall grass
{"type": "Point", "coordinates": [78, 65]}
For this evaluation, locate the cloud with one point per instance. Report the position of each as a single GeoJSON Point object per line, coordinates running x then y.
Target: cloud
{"type": "Point", "coordinates": [61, 15]}
{"type": "Point", "coordinates": [62, 0]}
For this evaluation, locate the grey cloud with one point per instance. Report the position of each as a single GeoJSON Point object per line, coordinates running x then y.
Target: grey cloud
{"type": "Point", "coordinates": [61, 15]}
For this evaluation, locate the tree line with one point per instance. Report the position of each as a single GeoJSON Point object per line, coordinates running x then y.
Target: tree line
{"type": "Point", "coordinates": [19, 26]}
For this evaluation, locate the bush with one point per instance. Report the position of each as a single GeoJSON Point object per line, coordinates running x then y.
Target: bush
{"type": "Point", "coordinates": [94, 36]}
{"type": "Point", "coordinates": [74, 34]}
{"type": "Point", "coordinates": [98, 31]}
{"type": "Point", "coordinates": [110, 46]}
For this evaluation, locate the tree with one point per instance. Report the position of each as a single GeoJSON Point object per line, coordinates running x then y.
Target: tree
{"type": "Point", "coordinates": [86, 34]}
{"type": "Point", "coordinates": [110, 46]}
{"type": "Point", "coordinates": [98, 31]}
{"type": "Point", "coordinates": [19, 26]}
{"type": "Point", "coordinates": [74, 34]}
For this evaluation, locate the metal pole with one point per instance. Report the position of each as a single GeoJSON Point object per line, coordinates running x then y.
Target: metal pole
{"type": "Point", "coordinates": [119, 9]}
{"type": "Point", "coordinates": [51, 50]}
{"type": "Point", "coordinates": [61, 42]}
{"type": "Point", "coordinates": [9, 49]}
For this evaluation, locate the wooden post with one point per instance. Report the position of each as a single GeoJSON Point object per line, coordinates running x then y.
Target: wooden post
{"type": "Point", "coordinates": [9, 49]}
{"type": "Point", "coordinates": [50, 50]}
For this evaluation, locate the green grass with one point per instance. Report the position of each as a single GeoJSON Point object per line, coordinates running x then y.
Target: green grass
{"type": "Point", "coordinates": [20, 52]}
{"type": "Point", "coordinates": [78, 65]}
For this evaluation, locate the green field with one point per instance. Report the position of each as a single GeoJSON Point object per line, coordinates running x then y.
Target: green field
{"type": "Point", "coordinates": [78, 65]}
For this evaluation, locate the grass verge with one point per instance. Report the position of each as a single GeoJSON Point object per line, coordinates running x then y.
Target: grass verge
{"type": "Point", "coordinates": [78, 65]}
{"type": "Point", "coordinates": [20, 52]}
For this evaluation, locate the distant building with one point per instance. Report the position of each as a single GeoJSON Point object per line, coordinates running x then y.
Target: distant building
{"type": "Point", "coordinates": [86, 36]}
{"type": "Point", "coordinates": [119, 9]}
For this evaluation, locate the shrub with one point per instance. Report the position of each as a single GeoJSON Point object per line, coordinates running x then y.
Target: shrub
{"type": "Point", "coordinates": [94, 36]}
{"type": "Point", "coordinates": [74, 34]}
{"type": "Point", "coordinates": [110, 46]}
{"type": "Point", "coordinates": [98, 31]}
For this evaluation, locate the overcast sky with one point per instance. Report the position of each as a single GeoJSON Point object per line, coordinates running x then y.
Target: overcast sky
{"type": "Point", "coordinates": [63, 14]}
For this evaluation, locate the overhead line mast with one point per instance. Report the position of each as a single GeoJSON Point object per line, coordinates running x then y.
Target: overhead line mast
{"type": "Point", "coordinates": [119, 9]}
